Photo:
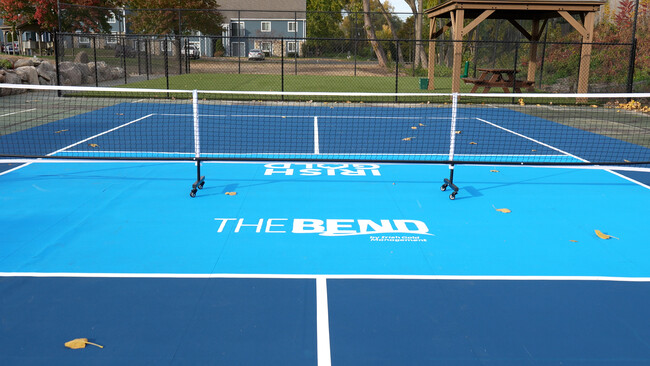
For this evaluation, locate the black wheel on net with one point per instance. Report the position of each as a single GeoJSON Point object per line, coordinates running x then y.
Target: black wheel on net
{"type": "Point", "coordinates": [200, 186]}
{"type": "Point", "coordinates": [443, 188]}
{"type": "Point", "coordinates": [193, 193]}
{"type": "Point", "coordinates": [452, 196]}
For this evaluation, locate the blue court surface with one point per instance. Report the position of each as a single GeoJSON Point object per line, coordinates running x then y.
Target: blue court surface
{"type": "Point", "coordinates": [320, 263]}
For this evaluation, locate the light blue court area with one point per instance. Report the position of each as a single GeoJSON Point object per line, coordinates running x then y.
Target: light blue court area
{"type": "Point", "coordinates": [321, 219]}
{"type": "Point", "coordinates": [322, 264]}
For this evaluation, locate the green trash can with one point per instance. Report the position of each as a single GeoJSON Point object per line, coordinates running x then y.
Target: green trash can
{"type": "Point", "coordinates": [424, 83]}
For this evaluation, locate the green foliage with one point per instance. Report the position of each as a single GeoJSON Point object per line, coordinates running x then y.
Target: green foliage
{"type": "Point", "coordinates": [164, 17]}
{"type": "Point", "coordinates": [6, 64]}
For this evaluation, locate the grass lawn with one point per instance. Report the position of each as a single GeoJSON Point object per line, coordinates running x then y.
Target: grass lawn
{"type": "Point", "coordinates": [301, 83]}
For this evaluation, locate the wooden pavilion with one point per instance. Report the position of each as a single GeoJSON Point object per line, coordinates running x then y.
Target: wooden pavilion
{"type": "Point", "coordinates": [539, 11]}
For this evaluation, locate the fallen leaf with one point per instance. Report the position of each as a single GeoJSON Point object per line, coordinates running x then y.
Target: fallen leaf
{"type": "Point", "coordinates": [93, 145]}
{"type": "Point", "coordinates": [231, 193]}
{"type": "Point", "coordinates": [59, 131]}
{"type": "Point", "coordinates": [422, 125]}
{"type": "Point", "coordinates": [573, 241]}
{"type": "Point", "coordinates": [504, 210]}
{"type": "Point", "coordinates": [458, 132]}
{"type": "Point", "coordinates": [473, 143]}
{"type": "Point", "coordinates": [407, 138]}
{"type": "Point", "coordinates": [80, 343]}
{"type": "Point", "coordinates": [494, 171]}
{"type": "Point", "coordinates": [414, 128]}
{"type": "Point", "coordinates": [602, 235]}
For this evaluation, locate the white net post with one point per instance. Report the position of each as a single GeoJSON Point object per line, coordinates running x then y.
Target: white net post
{"type": "Point", "coordinates": [197, 136]}
{"type": "Point", "coordinates": [452, 132]}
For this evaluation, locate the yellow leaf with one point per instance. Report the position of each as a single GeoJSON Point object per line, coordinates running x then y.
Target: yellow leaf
{"type": "Point", "coordinates": [625, 160]}
{"type": "Point", "coordinates": [414, 128]}
{"type": "Point", "coordinates": [458, 132]}
{"type": "Point", "coordinates": [602, 235]}
{"type": "Point", "coordinates": [59, 131]}
{"type": "Point", "coordinates": [422, 125]}
{"type": "Point", "coordinates": [473, 143]}
{"type": "Point", "coordinates": [407, 138]}
{"type": "Point", "coordinates": [231, 193]}
{"type": "Point", "coordinates": [573, 241]}
{"type": "Point", "coordinates": [494, 171]}
{"type": "Point", "coordinates": [594, 106]}
{"type": "Point", "coordinates": [93, 145]}
{"type": "Point", "coordinates": [504, 210]}
{"type": "Point", "coordinates": [80, 343]}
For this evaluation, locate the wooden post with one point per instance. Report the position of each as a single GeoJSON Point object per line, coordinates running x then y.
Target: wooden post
{"type": "Point", "coordinates": [458, 18]}
{"type": "Point", "coordinates": [585, 55]}
{"type": "Point", "coordinates": [532, 63]}
{"type": "Point", "coordinates": [432, 54]}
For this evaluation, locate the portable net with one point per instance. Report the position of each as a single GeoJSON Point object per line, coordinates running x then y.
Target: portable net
{"type": "Point", "coordinates": [40, 122]}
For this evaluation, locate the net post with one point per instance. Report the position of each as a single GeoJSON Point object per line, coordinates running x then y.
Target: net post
{"type": "Point", "coordinates": [452, 147]}
{"type": "Point", "coordinates": [200, 180]}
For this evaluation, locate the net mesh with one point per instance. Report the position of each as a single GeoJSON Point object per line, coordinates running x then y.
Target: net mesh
{"type": "Point", "coordinates": [522, 129]}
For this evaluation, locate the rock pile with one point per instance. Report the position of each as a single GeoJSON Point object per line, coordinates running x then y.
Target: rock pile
{"type": "Point", "coordinates": [36, 71]}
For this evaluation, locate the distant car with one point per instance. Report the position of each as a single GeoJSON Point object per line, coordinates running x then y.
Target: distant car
{"type": "Point", "coordinates": [256, 55]}
{"type": "Point", "coordinates": [192, 52]}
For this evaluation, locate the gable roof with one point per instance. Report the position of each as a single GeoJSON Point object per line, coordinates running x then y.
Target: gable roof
{"type": "Point", "coordinates": [275, 9]}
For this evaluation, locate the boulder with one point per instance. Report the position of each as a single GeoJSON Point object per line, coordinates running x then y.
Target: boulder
{"type": "Point", "coordinates": [11, 78]}
{"type": "Point", "coordinates": [103, 71]}
{"type": "Point", "coordinates": [81, 57]}
{"type": "Point", "coordinates": [28, 74]}
{"type": "Point", "coordinates": [46, 73]}
{"type": "Point", "coordinates": [23, 62]}
{"type": "Point", "coordinates": [69, 73]}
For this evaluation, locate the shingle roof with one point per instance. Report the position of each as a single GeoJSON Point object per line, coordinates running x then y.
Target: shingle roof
{"type": "Point", "coordinates": [275, 9]}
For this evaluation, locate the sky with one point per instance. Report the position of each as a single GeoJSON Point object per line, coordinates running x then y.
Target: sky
{"type": "Point", "coordinates": [400, 6]}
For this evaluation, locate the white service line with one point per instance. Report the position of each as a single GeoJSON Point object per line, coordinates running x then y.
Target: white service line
{"type": "Point", "coordinates": [23, 111]}
{"type": "Point", "coordinates": [322, 323]}
{"type": "Point", "coordinates": [100, 134]}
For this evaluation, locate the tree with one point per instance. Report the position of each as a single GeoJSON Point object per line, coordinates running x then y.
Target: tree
{"type": "Point", "coordinates": [417, 9]}
{"type": "Point", "coordinates": [83, 15]}
{"type": "Point", "coordinates": [165, 17]}
{"type": "Point", "coordinates": [393, 30]}
{"type": "Point", "coordinates": [370, 31]}
{"type": "Point", "coordinates": [324, 18]}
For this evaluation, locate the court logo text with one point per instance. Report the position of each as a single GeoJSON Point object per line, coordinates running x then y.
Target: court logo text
{"type": "Point", "coordinates": [311, 169]}
{"type": "Point", "coordinates": [326, 227]}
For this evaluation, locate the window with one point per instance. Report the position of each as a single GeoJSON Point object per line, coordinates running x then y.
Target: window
{"type": "Point", "coordinates": [291, 26]}
{"type": "Point", "coordinates": [111, 18]}
{"type": "Point", "coordinates": [84, 40]}
{"type": "Point", "coordinates": [111, 39]}
{"type": "Point", "coordinates": [266, 26]}
{"type": "Point", "coordinates": [237, 29]}
{"type": "Point", "coordinates": [266, 48]}
{"type": "Point", "coordinates": [291, 47]}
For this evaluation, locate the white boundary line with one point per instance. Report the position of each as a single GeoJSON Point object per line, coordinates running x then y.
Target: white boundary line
{"type": "Point", "coordinates": [23, 111]}
{"type": "Point", "coordinates": [316, 138]}
{"type": "Point", "coordinates": [326, 276]}
{"type": "Point", "coordinates": [322, 323]}
{"type": "Point", "coordinates": [533, 140]}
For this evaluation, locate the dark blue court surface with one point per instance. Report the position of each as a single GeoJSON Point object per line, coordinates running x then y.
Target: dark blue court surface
{"type": "Point", "coordinates": [320, 263]}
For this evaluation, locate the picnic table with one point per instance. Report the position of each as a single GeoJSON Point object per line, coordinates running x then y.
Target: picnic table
{"type": "Point", "coordinates": [499, 78]}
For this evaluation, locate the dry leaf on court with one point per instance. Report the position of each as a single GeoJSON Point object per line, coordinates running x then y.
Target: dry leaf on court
{"type": "Point", "coordinates": [407, 138]}
{"type": "Point", "coordinates": [414, 128]}
{"type": "Point", "coordinates": [602, 235]}
{"type": "Point", "coordinates": [231, 193]}
{"type": "Point", "coordinates": [93, 145]}
{"type": "Point", "coordinates": [80, 343]}
{"type": "Point", "coordinates": [458, 132]}
{"type": "Point", "coordinates": [573, 241]}
{"type": "Point", "coordinates": [473, 143]}
{"type": "Point", "coordinates": [494, 171]}
{"type": "Point", "coordinates": [59, 131]}
{"type": "Point", "coordinates": [422, 125]}
{"type": "Point", "coordinates": [504, 210]}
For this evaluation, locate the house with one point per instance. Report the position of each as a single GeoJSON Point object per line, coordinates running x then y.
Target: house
{"type": "Point", "coordinates": [272, 26]}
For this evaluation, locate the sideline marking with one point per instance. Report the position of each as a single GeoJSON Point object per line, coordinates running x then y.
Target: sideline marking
{"type": "Point", "coordinates": [322, 323]}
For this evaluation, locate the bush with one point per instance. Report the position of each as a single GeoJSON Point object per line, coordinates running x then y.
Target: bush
{"type": "Point", "coordinates": [6, 64]}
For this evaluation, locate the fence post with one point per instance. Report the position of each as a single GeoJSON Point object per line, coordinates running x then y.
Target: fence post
{"type": "Point", "coordinates": [165, 46]}
{"type": "Point", "coordinates": [124, 59]}
{"type": "Point", "coordinates": [282, 65]}
{"type": "Point", "coordinates": [95, 59]}
{"type": "Point", "coordinates": [146, 57]}
{"type": "Point", "coordinates": [396, 70]}
{"type": "Point", "coordinates": [57, 37]}
{"type": "Point", "coordinates": [514, 77]}
{"type": "Point", "coordinates": [541, 68]}
{"type": "Point", "coordinates": [295, 42]}
{"type": "Point", "coordinates": [630, 69]}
